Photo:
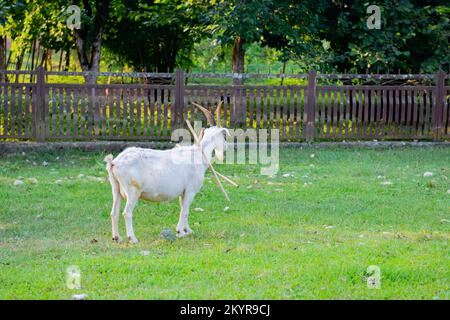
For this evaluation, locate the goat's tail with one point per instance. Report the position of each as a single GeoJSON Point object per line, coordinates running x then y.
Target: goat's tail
{"type": "Point", "coordinates": [109, 159]}
{"type": "Point", "coordinates": [112, 178]}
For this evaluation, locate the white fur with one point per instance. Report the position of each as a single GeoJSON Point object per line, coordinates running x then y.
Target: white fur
{"type": "Point", "coordinates": [161, 175]}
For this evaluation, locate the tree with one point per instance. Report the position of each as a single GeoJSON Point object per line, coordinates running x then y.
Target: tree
{"type": "Point", "coordinates": [88, 38]}
{"type": "Point", "coordinates": [3, 9]}
{"type": "Point", "coordinates": [413, 36]}
{"type": "Point", "coordinates": [10, 12]}
{"type": "Point", "coordinates": [29, 22]}
{"type": "Point", "coordinates": [156, 35]}
{"type": "Point", "coordinates": [286, 25]}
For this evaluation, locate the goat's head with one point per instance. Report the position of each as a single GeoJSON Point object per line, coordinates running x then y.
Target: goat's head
{"type": "Point", "coordinates": [215, 134]}
{"type": "Point", "coordinates": [216, 137]}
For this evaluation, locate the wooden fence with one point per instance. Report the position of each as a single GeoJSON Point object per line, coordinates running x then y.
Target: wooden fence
{"type": "Point", "coordinates": [37, 109]}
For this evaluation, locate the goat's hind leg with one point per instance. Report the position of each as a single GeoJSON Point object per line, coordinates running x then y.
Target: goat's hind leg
{"type": "Point", "coordinates": [115, 211]}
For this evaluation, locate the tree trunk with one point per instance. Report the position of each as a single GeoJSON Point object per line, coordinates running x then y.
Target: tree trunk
{"type": "Point", "coordinates": [238, 112]}
{"type": "Point", "coordinates": [44, 57]}
{"type": "Point", "coordinates": [61, 52]}
{"type": "Point", "coordinates": [89, 43]}
{"type": "Point", "coordinates": [2, 56]}
{"type": "Point", "coordinates": [48, 61]}
{"type": "Point", "coordinates": [33, 53]}
{"type": "Point", "coordinates": [19, 63]}
{"type": "Point", "coordinates": [67, 63]}
{"type": "Point", "coordinates": [238, 58]}
{"type": "Point", "coordinates": [2, 53]}
{"type": "Point", "coordinates": [283, 71]}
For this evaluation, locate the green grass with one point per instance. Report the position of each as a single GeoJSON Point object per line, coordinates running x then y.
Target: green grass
{"type": "Point", "coordinates": [310, 236]}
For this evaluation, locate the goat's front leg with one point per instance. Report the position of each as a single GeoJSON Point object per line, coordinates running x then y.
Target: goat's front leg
{"type": "Point", "coordinates": [183, 228]}
{"type": "Point", "coordinates": [132, 199]}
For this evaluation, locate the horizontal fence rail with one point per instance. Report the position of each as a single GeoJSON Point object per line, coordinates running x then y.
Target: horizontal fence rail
{"type": "Point", "coordinates": [155, 104]}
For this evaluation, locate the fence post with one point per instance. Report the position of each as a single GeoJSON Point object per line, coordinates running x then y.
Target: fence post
{"type": "Point", "coordinates": [310, 107]}
{"type": "Point", "coordinates": [438, 109]}
{"type": "Point", "coordinates": [39, 108]}
{"type": "Point", "coordinates": [179, 99]}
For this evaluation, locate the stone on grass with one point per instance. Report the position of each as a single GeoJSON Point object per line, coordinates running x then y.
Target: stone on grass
{"type": "Point", "coordinates": [95, 179]}
{"type": "Point", "coordinates": [79, 296]}
{"type": "Point", "coordinates": [199, 209]}
{"type": "Point", "coordinates": [167, 234]}
{"type": "Point", "coordinates": [45, 163]}
{"type": "Point", "coordinates": [59, 181]}
{"type": "Point", "coordinates": [226, 209]}
{"type": "Point", "coordinates": [18, 182]}
{"type": "Point", "coordinates": [448, 191]}
{"type": "Point", "coordinates": [428, 174]}
{"type": "Point", "coordinates": [32, 180]}
{"type": "Point", "coordinates": [386, 183]}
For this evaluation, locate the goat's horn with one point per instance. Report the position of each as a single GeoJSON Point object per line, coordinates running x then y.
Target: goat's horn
{"type": "Point", "coordinates": [218, 113]}
{"type": "Point", "coordinates": [200, 136]}
{"type": "Point", "coordinates": [207, 114]}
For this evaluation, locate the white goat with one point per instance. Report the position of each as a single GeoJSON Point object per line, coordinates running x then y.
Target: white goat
{"type": "Point", "coordinates": [162, 175]}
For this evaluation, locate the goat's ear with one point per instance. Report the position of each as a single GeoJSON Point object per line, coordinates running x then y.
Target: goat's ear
{"type": "Point", "coordinates": [226, 131]}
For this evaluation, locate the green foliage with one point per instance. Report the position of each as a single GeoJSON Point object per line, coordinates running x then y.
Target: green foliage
{"type": "Point", "coordinates": [285, 25]}
{"type": "Point", "coordinates": [329, 36]}
{"type": "Point", "coordinates": [413, 36]}
{"type": "Point", "coordinates": [36, 20]}
{"type": "Point", "coordinates": [153, 35]}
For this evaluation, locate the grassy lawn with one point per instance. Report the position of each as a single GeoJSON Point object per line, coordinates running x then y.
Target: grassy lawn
{"type": "Point", "coordinates": [309, 235]}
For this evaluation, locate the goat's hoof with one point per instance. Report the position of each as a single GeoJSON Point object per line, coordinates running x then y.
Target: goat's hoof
{"type": "Point", "coordinates": [133, 240]}
{"type": "Point", "coordinates": [183, 233]}
{"type": "Point", "coordinates": [117, 239]}
{"type": "Point", "coordinates": [180, 234]}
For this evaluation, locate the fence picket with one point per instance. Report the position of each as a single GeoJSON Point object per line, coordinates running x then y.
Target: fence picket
{"type": "Point", "coordinates": [166, 111]}
{"type": "Point", "coordinates": [284, 113]}
{"type": "Point", "coordinates": [278, 108]}
{"type": "Point", "coordinates": [20, 115]}
{"type": "Point", "coordinates": [12, 111]}
{"type": "Point", "coordinates": [427, 119]}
